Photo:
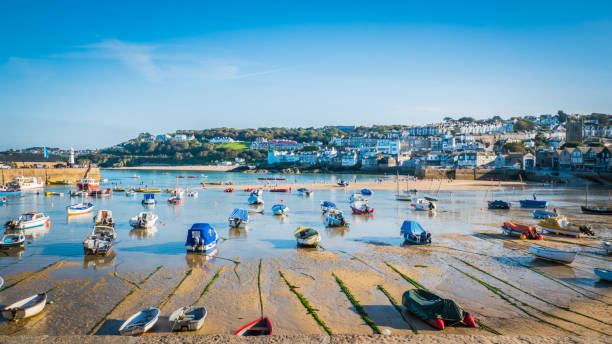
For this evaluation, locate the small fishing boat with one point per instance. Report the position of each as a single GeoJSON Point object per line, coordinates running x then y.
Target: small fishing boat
{"type": "Point", "coordinates": [25, 308]}
{"type": "Point", "coordinates": [521, 231]}
{"type": "Point", "coordinates": [499, 204]}
{"type": "Point", "coordinates": [366, 192]}
{"type": "Point", "coordinates": [229, 190]}
{"type": "Point", "coordinates": [343, 183]}
{"type": "Point", "coordinates": [361, 207]}
{"type": "Point", "coordinates": [565, 257]}
{"type": "Point", "coordinates": [148, 199]}
{"type": "Point", "coordinates": [256, 197]}
{"type": "Point", "coordinates": [53, 193]}
{"type": "Point", "coordinates": [101, 192]}
{"type": "Point", "coordinates": [176, 197]}
{"type": "Point", "coordinates": [596, 211]}
{"type": "Point", "coordinates": [29, 220]}
{"type": "Point", "coordinates": [140, 322]}
{"type": "Point", "coordinates": [27, 183]}
{"type": "Point", "coordinates": [259, 327]}
{"type": "Point", "coordinates": [532, 203]}
{"type": "Point", "coordinates": [356, 197]}
{"type": "Point", "coordinates": [607, 245]}
{"type": "Point", "coordinates": [434, 310]}
{"type": "Point", "coordinates": [239, 218]}
{"type": "Point", "coordinates": [130, 193]}
{"type": "Point", "coordinates": [335, 218]}
{"type": "Point", "coordinates": [202, 237]}
{"type": "Point", "coordinates": [188, 318]}
{"type": "Point", "coordinates": [414, 233]}
{"type": "Point", "coordinates": [104, 218]}
{"type": "Point", "coordinates": [87, 184]}
{"type": "Point", "coordinates": [118, 189]}
{"type": "Point", "coordinates": [280, 209]}
{"type": "Point", "coordinates": [307, 236]}
{"type": "Point", "coordinates": [193, 194]}
{"type": "Point", "coordinates": [9, 191]}
{"type": "Point", "coordinates": [544, 214]}
{"type": "Point", "coordinates": [279, 190]}
{"type": "Point", "coordinates": [560, 225]}
{"type": "Point", "coordinates": [10, 240]}
{"type": "Point", "coordinates": [144, 219]}
{"type": "Point", "coordinates": [423, 205]}
{"type": "Point", "coordinates": [304, 192]}
{"type": "Point", "coordinates": [79, 208]}
{"type": "Point", "coordinates": [604, 274]}
{"type": "Point", "coordinates": [100, 241]}
{"type": "Point", "coordinates": [326, 206]}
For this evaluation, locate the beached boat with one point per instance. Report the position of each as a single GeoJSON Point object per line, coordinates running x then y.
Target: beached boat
{"type": "Point", "coordinates": [79, 208]}
{"type": "Point", "coordinates": [434, 310]}
{"type": "Point", "coordinates": [326, 206]}
{"type": "Point", "coordinates": [604, 274]}
{"type": "Point", "coordinates": [423, 204]}
{"type": "Point", "coordinates": [10, 240]}
{"type": "Point", "coordinates": [140, 322]}
{"type": "Point", "coordinates": [104, 218]}
{"type": "Point", "coordinates": [565, 257]}
{"type": "Point", "coordinates": [343, 183]}
{"type": "Point", "coordinates": [361, 207]}
{"type": "Point", "coordinates": [366, 192]}
{"type": "Point", "coordinates": [188, 318]}
{"type": "Point", "coordinates": [27, 183]}
{"type": "Point", "coordinates": [280, 209]}
{"type": "Point", "coordinates": [87, 184]}
{"type": "Point", "coordinates": [100, 241]}
{"type": "Point", "coordinates": [256, 197]}
{"type": "Point", "coordinates": [499, 204]}
{"type": "Point", "coordinates": [259, 327]}
{"type": "Point", "coordinates": [335, 218]}
{"type": "Point", "coordinates": [25, 308]}
{"type": "Point", "coordinates": [304, 192]}
{"type": "Point", "coordinates": [532, 203]}
{"type": "Point", "coordinates": [596, 211]}
{"type": "Point", "coordinates": [521, 231]}
{"type": "Point", "coordinates": [144, 219]}
{"type": "Point", "coordinates": [544, 214]}
{"type": "Point", "coordinates": [148, 199]}
{"type": "Point", "coordinates": [201, 237]}
{"type": "Point", "coordinates": [560, 225]}
{"type": "Point", "coordinates": [29, 220]}
{"type": "Point", "coordinates": [307, 236]}
{"type": "Point", "coordinates": [607, 245]}
{"type": "Point", "coordinates": [414, 233]}
{"type": "Point", "coordinates": [239, 218]}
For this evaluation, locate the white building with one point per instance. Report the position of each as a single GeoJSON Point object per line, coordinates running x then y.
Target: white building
{"type": "Point", "coordinates": [222, 140]}
{"type": "Point", "coordinates": [349, 159]}
{"type": "Point", "coordinates": [388, 146]}
{"type": "Point", "coordinates": [276, 157]}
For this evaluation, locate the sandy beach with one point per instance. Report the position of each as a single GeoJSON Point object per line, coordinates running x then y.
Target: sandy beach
{"type": "Point", "coordinates": [176, 168]}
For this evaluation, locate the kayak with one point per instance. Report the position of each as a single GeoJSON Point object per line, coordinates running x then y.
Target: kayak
{"type": "Point", "coordinates": [434, 310]}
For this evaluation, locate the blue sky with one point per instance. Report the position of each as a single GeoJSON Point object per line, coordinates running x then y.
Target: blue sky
{"type": "Point", "coordinates": [92, 74]}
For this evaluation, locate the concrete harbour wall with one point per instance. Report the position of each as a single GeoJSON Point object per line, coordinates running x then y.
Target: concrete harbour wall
{"type": "Point", "coordinates": [72, 174]}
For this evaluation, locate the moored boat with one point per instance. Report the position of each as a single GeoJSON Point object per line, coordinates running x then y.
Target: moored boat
{"type": "Point", "coordinates": [595, 210]}
{"type": "Point", "coordinates": [532, 203]}
{"type": "Point", "coordinates": [79, 208]}
{"type": "Point", "coordinates": [239, 218]}
{"type": "Point", "coordinates": [144, 219]}
{"type": "Point", "coordinates": [326, 206]}
{"type": "Point", "coordinates": [607, 245]}
{"type": "Point", "coordinates": [415, 234]}
{"type": "Point", "coordinates": [361, 207]}
{"type": "Point", "coordinates": [560, 225]}
{"type": "Point", "coordinates": [27, 183]}
{"type": "Point", "coordinates": [189, 318]}
{"type": "Point", "coordinates": [423, 205]}
{"type": "Point", "coordinates": [356, 197]}
{"type": "Point", "coordinates": [228, 190]}
{"type": "Point", "coordinates": [101, 192]}
{"type": "Point", "coordinates": [10, 240]}
{"type": "Point", "coordinates": [544, 214]}
{"type": "Point", "coordinates": [100, 241]}
{"type": "Point", "coordinates": [259, 327]}
{"type": "Point", "coordinates": [87, 184]}
{"type": "Point", "coordinates": [366, 192]}
{"type": "Point", "coordinates": [148, 199]}
{"type": "Point", "coordinates": [140, 322]}
{"type": "Point", "coordinates": [304, 191]}
{"type": "Point", "coordinates": [434, 310]}
{"type": "Point", "coordinates": [8, 191]}
{"type": "Point", "coordinates": [343, 183]}
{"type": "Point", "coordinates": [562, 256]}
{"type": "Point", "coordinates": [29, 220]}
{"type": "Point", "coordinates": [335, 218]}
{"type": "Point", "coordinates": [104, 218]}
{"type": "Point", "coordinates": [25, 308]}
{"type": "Point", "coordinates": [499, 204]}
{"type": "Point", "coordinates": [521, 231]}
{"type": "Point", "coordinates": [279, 190]}
{"type": "Point", "coordinates": [307, 236]}
{"type": "Point", "coordinates": [280, 209]}
{"type": "Point", "coordinates": [604, 274]}
{"type": "Point", "coordinates": [193, 194]}
{"type": "Point", "coordinates": [201, 237]}
{"type": "Point", "coordinates": [256, 197]}
{"type": "Point", "coordinates": [53, 193]}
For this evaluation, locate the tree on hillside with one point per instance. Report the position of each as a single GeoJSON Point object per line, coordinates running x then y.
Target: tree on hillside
{"type": "Point", "coordinates": [562, 116]}
{"type": "Point", "coordinates": [514, 147]}
{"type": "Point", "coordinates": [466, 119]}
{"type": "Point", "coordinates": [523, 125]}
{"type": "Point", "coordinates": [448, 119]}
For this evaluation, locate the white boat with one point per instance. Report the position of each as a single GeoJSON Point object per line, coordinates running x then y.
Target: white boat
{"type": "Point", "coordinates": [145, 219]}
{"type": "Point", "coordinates": [280, 209]}
{"type": "Point", "coordinates": [29, 220]}
{"type": "Point", "coordinates": [423, 205]}
{"type": "Point", "coordinates": [361, 207]}
{"type": "Point", "coordinates": [27, 183]}
{"type": "Point", "coordinates": [607, 245]}
{"type": "Point", "coordinates": [307, 236]}
{"type": "Point", "coordinates": [100, 241]}
{"type": "Point", "coordinates": [193, 194]}
{"type": "Point", "coordinates": [356, 197]}
{"type": "Point", "coordinates": [148, 199]}
{"type": "Point", "coordinates": [604, 274]}
{"type": "Point", "coordinates": [140, 322]}
{"type": "Point", "coordinates": [104, 218]}
{"type": "Point", "coordinates": [305, 192]}
{"type": "Point", "coordinates": [256, 197]}
{"type": "Point", "coordinates": [326, 206]}
{"type": "Point", "coordinates": [565, 257]}
{"type": "Point", "coordinates": [10, 240]}
{"type": "Point", "coordinates": [335, 218]}
{"type": "Point", "coordinates": [188, 318]}
{"type": "Point", "coordinates": [79, 208]}
{"type": "Point", "coordinates": [25, 308]}
{"type": "Point", "coordinates": [239, 218]}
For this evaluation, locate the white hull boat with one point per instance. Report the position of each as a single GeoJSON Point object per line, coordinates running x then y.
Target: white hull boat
{"type": "Point", "coordinates": [140, 322]}
{"type": "Point", "coordinates": [29, 221]}
{"type": "Point", "coordinates": [144, 220]}
{"type": "Point", "coordinates": [565, 257]}
{"type": "Point", "coordinates": [187, 318]}
{"type": "Point", "coordinates": [423, 205]}
{"type": "Point", "coordinates": [79, 208]}
{"type": "Point", "coordinates": [307, 236]}
{"type": "Point", "coordinates": [28, 183]}
{"type": "Point", "coordinates": [280, 209]}
{"type": "Point", "coordinates": [10, 240]}
{"type": "Point", "coordinates": [239, 218]}
{"type": "Point", "coordinates": [25, 308]}
{"type": "Point", "coordinates": [100, 241]}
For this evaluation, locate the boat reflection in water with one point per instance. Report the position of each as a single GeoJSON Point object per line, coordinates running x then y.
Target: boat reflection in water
{"type": "Point", "coordinates": [36, 232]}
{"type": "Point", "coordinates": [98, 262]}
{"type": "Point", "coordinates": [334, 232]}
{"type": "Point", "coordinates": [236, 233]}
{"type": "Point", "coordinates": [80, 218]}
{"type": "Point", "coordinates": [143, 233]}
{"type": "Point", "coordinates": [15, 252]}
{"type": "Point", "coordinates": [200, 260]}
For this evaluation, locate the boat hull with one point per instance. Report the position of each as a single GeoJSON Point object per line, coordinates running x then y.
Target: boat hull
{"type": "Point", "coordinates": [565, 257]}
{"type": "Point", "coordinates": [596, 211]}
{"type": "Point", "coordinates": [127, 330]}
{"type": "Point", "coordinates": [187, 318]}
{"type": "Point", "coordinates": [25, 308]}
{"type": "Point", "coordinates": [603, 274]}
{"type": "Point", "coordinates": [529, 203]}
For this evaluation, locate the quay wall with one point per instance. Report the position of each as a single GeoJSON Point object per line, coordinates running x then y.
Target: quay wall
{"type": "Point", "coordinates": [467, 174]}
{"type": "Point", "coordinates": [6, 175]}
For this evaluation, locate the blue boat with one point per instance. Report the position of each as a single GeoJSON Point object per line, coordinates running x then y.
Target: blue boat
{"type": "Point", "coordinates": [149, 199]}
{"type": "Point", "coordinates": [327, 205]}
{"type": "Point", "coordinates": [202, 237]}
{"type": "Point", "coordinates": [544, 214]}
{"type": "Point", "coordinates": [414, 233]}
{"type": "Point", "coordinates": [531, 203]}
{"type": "Point", "coordinates": [366, 192]}
{"type": "Point", "coordinates": [9, 192]}
{"type": "Point", "coordinates": [604, 274]}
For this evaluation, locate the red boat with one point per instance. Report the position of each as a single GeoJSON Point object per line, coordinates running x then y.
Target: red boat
{"type": "Point", "coordinates": [521, 231]}
{"type": "Point", "coordinates": [279, 190]}
{"type": "Point", "coordinates": [259, 327]}
{"type": "Point", "coordinates": [87, 184]}
{"type": "Point", "coordinates": [228, 190]}
{"type": "Point", "coordinates": [191, 176]}
{"type": "Point", "coordinates": [249, 190]}
{"type": "Point", "coordinates": [101, 192]}
{"type": "Point", "coordinates": [181, 177]}
{"type": "Point", "coordinates": [362, 210]}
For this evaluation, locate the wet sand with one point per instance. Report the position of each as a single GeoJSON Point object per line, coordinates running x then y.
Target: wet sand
{"type": "Point", "coordinates": [176, 168]}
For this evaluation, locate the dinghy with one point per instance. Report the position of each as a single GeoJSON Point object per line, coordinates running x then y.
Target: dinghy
{"type": "Point", "coordinates": [10, 240]}
{"type": "Point", "coordinates": [140, 322]}
{"type": "Point", "coordinates": [259, 327]}
{"type": "Point", "coordinates": [434, 310]}
{"type": "Point", "coordinates": [423, 205]}
{"type": "Point", "coordinates": [188, 318]}
{"type": "Point", "coordinates": [145, 219]}
{"type": "Point", "coordinates": [366, 192]}
{"type": "Point", "coordinates": [607, 245]}
{"type": "Point", "coordinates": [560, 225]}
{"type": "Point", "coordinates": [239, 218]}
{"type": "Point", "coordinates": [307, 236]}
{"type": "Point", "coordinates": [343, 183]}
{"type": "Point", "coordinates": [29, 220]}
{"type": "Point", "coordinates": [532, 203]}
{"type": "Point", "coordinates": [561, 256]}
{"type": "Point", "coordinates": [335, 218]}
{"type": "Point", "coordinates": [521, 231]}
{"type": "Point", "coordinates": [280, 209]}
{"type": "Point", "coordinates": [499, 204]}
{"type": "Point", "coordinates": [414, 233]}
{"type": "Point", "coordinates": [326, 206]}
{"type": "Point", "coordinates": [256, 197]}
{"type": "Point", "coordinates": [25, 308]}
{"type": "Point", "coordinates": [544, 214]}
{"type": "Point", "coordinates": [148, 199]}
{"type": "Point", "coordinates": [604, 274]}
{"type": "Point", "coordinates": [201, 237]}
{"type": "Point", "coordinates": [79, 208]}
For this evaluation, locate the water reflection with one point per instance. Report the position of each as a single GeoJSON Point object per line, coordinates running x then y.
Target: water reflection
{"type": "Point", "coordinates": [235, 233]}
{"type": "Point", "coordinates": [81, 218]}
{"type": "Point", "coordinates": [37, 232]}
{"type": "Point", "coordinates": [143, 233]}
{"type": "Point", "coordinates": [14, 252]}
{"type": "Point", "coordinates": [200, 260]}
{"type": "Point", "coordinates": [98, 262]}
{"type": "Point", "coordinates": [333, 232]}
